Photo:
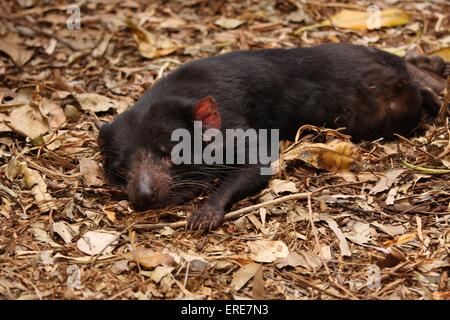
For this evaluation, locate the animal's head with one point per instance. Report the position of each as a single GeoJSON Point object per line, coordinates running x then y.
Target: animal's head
{"type": "Point", "coordinates": [137, 149]}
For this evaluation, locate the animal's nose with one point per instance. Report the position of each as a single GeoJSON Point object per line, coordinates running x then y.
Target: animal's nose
{"type": "Point", "coordinates": [143, 194]}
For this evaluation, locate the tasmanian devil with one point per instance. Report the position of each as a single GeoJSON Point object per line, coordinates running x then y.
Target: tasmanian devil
{"type": "Point", "coordinates": [369, 92]}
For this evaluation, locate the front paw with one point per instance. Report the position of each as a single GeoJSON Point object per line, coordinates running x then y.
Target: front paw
{"type": "Point", "coordinates": [207, 217]}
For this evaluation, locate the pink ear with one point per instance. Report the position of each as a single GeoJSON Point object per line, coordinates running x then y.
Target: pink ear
{"type": "Point", "coordinates": [208, 113]}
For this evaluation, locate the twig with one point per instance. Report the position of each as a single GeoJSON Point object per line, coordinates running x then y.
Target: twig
{"type": "Point", "coordinates": [316, 237]}
{"type": "Point", "coordinates": [114, 297]}
{"type": "Point", "coordinates": [243, 211]}
{"type": "Point", "coordinates": [228, 216]}
{"type": "Point", "coordinates": [423, 169]}
{"type": "Point", "coordinates": [447, 149]}
{"type": "Point", "coordinates": [413, 145]}
{"type": "Point", "coordinates": [443, 110]}
{"type": "Point", "coordinates": [312, 285]}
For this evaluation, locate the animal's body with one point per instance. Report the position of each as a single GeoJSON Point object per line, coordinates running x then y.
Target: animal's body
{"type": "Point", "coordinates": [369, 92]}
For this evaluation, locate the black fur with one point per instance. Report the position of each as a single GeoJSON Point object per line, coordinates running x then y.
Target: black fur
{"type": "Point", "coordinates": [365, 90]}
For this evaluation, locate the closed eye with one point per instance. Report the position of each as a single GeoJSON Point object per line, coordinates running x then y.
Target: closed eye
{"type": "Point", "coordinates": [165, 150]}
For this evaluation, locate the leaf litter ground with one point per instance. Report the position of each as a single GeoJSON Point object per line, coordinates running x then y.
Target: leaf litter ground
{"type": "Point", "coordinates": [338, 221]}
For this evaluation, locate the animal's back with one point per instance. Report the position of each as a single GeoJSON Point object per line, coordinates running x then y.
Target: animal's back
{"type": "Point", "coordinates": [336, 85]}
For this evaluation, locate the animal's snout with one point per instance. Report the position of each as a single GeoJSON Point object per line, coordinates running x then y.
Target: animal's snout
{"type": "Point", "coordinates": [149, 182]}
{"type": "Point", "coordinates": [143, 192]}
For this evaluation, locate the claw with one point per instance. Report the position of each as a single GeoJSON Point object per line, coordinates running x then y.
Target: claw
{"type": "Point", "coordinates": [206, 218]}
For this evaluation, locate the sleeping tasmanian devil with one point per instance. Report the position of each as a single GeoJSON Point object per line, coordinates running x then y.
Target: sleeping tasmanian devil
{"type": "Point", "coordinates": [371, 93]}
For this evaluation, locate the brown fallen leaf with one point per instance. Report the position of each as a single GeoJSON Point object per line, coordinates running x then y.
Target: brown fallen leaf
{"type": "Point", "coordinates": [149, 258]}
{"type": "Point", "coordinates": [94, 242]}
{"type": "Point", "coordinates": [441, 295]}
{"type": "Point", "coordinates": [65, 231]}
{"type": "Point", "coordinates": [444, 53]}
{"type": "Point", "coordinates": [3, 126]}
{"type": "Point", "coordinates": [95, 102]}
{"type": "Point", "coordinates": [305, 259]}
{"type": "Point", "coordinates": [28, 121]}
{"type": "Point", "coordinates": [267, 250]}
{"type": "Point", "coordinates": [334, 156]}
{"type": "Point", "coordinates": [150, 46]}
{"type": "Point", "coordinates": [401, 239]}
{"type": "Point", "coordinates": [387, 181]}
{"type": "Point", "coordinates": [360, 233]}
{"type": "Point", "coordinates": [42, 235]}
{"type": "Point", "coordinates": [278, 186]}
{"type": "Point", "coordinates": [362, 20]}
{"type": "Point", "coordinates": [357, 177]}
{"type": "Point", "coordinates": [243, 275]}
{"type": "Point", "coordinates": [343, 245]}
{"type": "Point", "coordinates": [229, 23]}
{"type": "Point", "coordinates": [91, 171]}
{"type": "Point", "coordinates": [390, 229]}
{"type": "Point", "coordinates": [258, 287]}
{"type": "Point", "coordinates": [38, 187]}
{"type": "Point", "coordinates": [11, 44]}
{"type": "Point", "coordinates": [52, 112]}
{"type": "Point", "coordinates": [174, 22]}
{"type": "Point", "coordinates": [72, 113]}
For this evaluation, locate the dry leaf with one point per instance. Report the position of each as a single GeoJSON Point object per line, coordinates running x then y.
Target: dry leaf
{"type": "Point", "coordinates": [28, 121]}
{"type": "Point", "coordinates": [65, 231]}
{"type": "Point", "coordinates": [150, 259]}
{"type": "Point", "coordinates": [444, 53]}
{"type": "Point", "coordinates": [362, 20]}
{"type": "Point", "coordinates": [400, 240]}
{"type": "Point", "coordinates": [160, 273]}
{"type": "Point", "coordinates": [361, 233]}
{"type": "Point", "coordinates": [278, 186]}
{"type": "Point", "coordinates": [11, 44]}
{"type": "Point", "coordinates": [3, 120]}
{"type": "Point", "coordinates": [38, 187]}
{"type": "Point", "coordinates": [102, 46]}
{"type": "Point", "coordinates": [387, 181]}
{"type": "Point", "coordinates": [42, 235]}
{"type": "Point", "coordinates": [343, 245]}
{"type": "Point", "coordinates": [120, 266]}
{"type": "Point", "coordinates": [258, 287]}
{"type": "Point", "coordinates": [149, 46]}
{"type": "Point", "coordinates": [91, 171]}
{"type": "Point", "coordinates": [95, 102]}
{"type": "Point", "coordinates": [111, 215]}
{"type": "Point", "coordinates": [305, 259]}
{"type": "Point", "coordinates": [93, 242]}
{"type": "Point", "coordinates": [267, 250]}
{"type": "Point", "coordinates": [333, 156]}
{"type": "Point", "coordinates": [196, 262]}
{"type": "Point", "coordinates": [228, 23]}
{"type": "Point", "coordinates": [53, 113]}
{"type": "Point", "coordinates": [243, 275]}
{"type": "Point", "coordinates": [392, 194]}
{"type": "Point", "coordinates": [441, 295]}
{"type": "Point", "coordinates": [174, 22]}
{"type": "Point", "coordinates": [390, 229]}
{"type": "Point", "coordinates": [357, 177]}
{"type": "Point", "coordinates": [45, 257]}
